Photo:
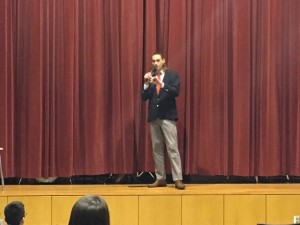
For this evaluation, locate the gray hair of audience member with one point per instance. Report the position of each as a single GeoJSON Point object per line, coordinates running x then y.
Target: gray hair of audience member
{"type": "Point", "coordinates": [14, 213]}
{"type": "Point", "coordinates": [90, 210]}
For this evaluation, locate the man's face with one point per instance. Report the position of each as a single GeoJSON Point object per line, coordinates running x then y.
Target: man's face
{"type": "Point", "coordinates": [158, 62]}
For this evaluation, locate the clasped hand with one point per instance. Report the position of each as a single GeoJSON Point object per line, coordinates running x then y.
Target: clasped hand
{"type": "Point", "coordinates": [149, 79]}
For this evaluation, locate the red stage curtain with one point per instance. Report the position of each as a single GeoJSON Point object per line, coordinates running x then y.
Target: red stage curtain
{"type": "Point", "coordinates": [71, 76]}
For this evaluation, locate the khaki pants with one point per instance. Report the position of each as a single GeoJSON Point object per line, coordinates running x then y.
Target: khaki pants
{"type": "Point", "coordinates": [165, 132]}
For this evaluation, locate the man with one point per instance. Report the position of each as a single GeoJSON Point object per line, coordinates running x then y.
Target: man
{"type": "Point", "coordinates": [161, 87]}
{"type": "Point", "coordinates": [14, 213]}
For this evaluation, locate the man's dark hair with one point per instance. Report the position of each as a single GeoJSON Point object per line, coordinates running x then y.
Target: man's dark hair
{"type": "Point", "coordinates": [159, 53]}
{"type": "Point", "coordinates": [14, 213]}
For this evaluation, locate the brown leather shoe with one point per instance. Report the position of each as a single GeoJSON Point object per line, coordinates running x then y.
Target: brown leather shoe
{"type": "Point", "coordinates": [158, 183]}
{"type": "Point", "coordinates": [179, 185]}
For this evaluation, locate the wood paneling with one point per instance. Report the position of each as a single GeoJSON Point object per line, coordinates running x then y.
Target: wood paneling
{"type": "Point", "coordinates": [198, 204]}
{"type": "Point", "coordinates": [202, 209]}
{"type": "Point", "coordinates": [123, 209]}
{"type": "Point", "coordinates": [244, 209]}
{"type": "Point", "coordinates": [61, 209]}
{"type": "Point", "coordinates": [282, 208]}
{"type": "Point", "coordinates": [159, 210]}
{"type": "Point", "coordinates": [3, 202]}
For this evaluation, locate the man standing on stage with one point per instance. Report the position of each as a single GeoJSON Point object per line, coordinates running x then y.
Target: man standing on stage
{"type": "Point", "coordinates": [161, 87]}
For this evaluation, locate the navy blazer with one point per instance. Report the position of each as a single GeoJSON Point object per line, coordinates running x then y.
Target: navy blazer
{"type": "Point", "coordinates": [163, 105]}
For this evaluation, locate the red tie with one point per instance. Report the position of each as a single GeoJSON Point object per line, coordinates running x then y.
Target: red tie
{"type": "Point", "coordinates": [158, 85]}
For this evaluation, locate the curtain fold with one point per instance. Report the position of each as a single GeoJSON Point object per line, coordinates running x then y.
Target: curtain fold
{"type": "Point", "coordinates": [71, 74]}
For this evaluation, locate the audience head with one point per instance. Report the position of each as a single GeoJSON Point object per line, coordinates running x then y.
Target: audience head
{"type": "Point", "coordinates": [90, 210]}
{"type": "Point", "coordinates": [14, 213]}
